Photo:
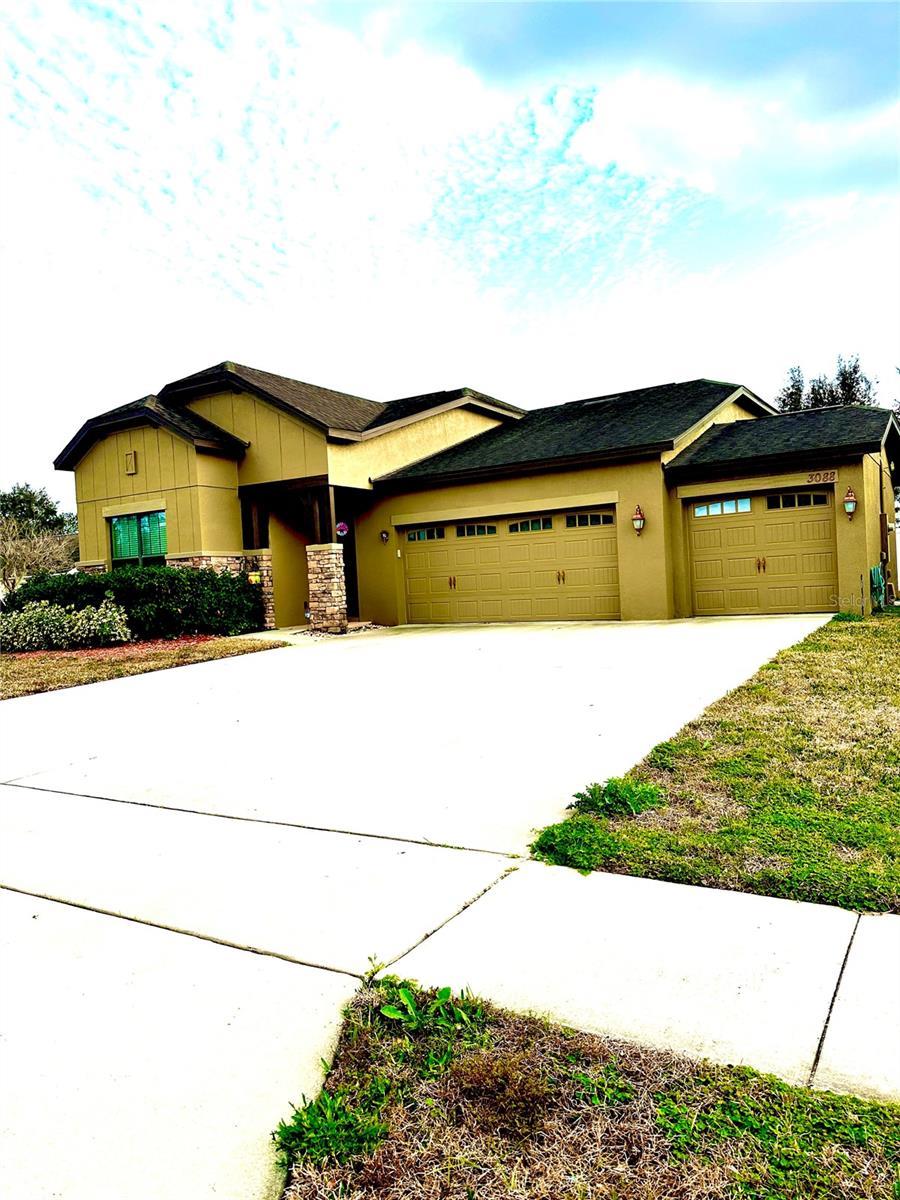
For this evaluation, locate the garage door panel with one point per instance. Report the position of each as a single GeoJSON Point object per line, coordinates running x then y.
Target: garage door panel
{"type": "Point", "coordinates": [562, 568]}
{"type": "Point", "coordinates": [706, 539]}
{"type": "Point", "coordinates": [778, 535]}
{"type": "Point", "coordinates": [818, 564]}
{"type": "Point", "coordinates": [782, 564]}
{"type": "Point", "coordinates": [772, 553]}
{"type": "Point", "coordinates": [709, 600]}
{"type": "Point", "coordinates": [737, 568]}
{"type": "Point", "coordinates": [745, 599]}
{"type": "Point", "coordinates": [740, 535]}
{"type": "Point", "coordinates": [710, 568]}
{"type": "Point", "coordinates": [816, 531]}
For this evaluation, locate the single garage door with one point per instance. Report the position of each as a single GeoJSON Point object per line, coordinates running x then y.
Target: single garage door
{"type": "Point", "coordinates": [764, 553]}
{"type": "Point", "coordinates": [555, 566]}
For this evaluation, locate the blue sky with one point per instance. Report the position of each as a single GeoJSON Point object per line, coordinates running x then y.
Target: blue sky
{"type": "Point", "coordinates": [539, 200]}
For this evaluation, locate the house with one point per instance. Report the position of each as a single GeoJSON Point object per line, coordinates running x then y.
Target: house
{"type": "Point", "coordinates": [692, 498]}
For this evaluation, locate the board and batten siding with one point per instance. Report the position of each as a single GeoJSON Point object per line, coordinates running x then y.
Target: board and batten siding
{"type": "Point", "coordinates": [281, 446]}
{"type": "Point", "coordinates": [166, 469]}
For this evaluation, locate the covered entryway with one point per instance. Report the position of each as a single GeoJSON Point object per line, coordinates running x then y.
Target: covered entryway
{"type": "Point", "coordinates": [554, 566]}
{"type": "Point", "coordinates": [769, 552]}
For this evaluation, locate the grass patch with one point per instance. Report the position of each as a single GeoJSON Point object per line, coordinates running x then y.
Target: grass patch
{"type": "Point", "coordinates": [788, 786]}
{"type": "Point", "coordinates": [522, 1109]}
{"type": "Point", "coordinates": [48, 670]}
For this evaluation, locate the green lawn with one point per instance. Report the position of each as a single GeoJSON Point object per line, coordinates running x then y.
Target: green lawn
{"type": "Point", "coordinates": [435, 1097]}
{"type": "Point", "coordinates": [788, 786]}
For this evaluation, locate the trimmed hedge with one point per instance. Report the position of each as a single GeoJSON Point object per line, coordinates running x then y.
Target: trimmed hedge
{"type": "Point", "coordinates": [161, 602]}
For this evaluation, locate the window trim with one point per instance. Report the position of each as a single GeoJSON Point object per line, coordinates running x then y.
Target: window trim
{"type": "Point", "coordinates": [142, 559]}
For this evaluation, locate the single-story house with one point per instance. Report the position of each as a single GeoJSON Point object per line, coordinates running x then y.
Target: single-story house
{"type": "Point", "coordinates": [694, 498]}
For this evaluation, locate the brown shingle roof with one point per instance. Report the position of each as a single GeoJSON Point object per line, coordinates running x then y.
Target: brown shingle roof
{"type": "Point", "coordinates": [150, 410]}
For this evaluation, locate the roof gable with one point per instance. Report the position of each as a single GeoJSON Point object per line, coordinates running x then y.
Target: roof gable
{"type": "Point", "coordinates": [203, 434]}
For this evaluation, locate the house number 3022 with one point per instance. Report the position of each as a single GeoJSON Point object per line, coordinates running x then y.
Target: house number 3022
{"type": "Point", "coordinates": [821, 477]}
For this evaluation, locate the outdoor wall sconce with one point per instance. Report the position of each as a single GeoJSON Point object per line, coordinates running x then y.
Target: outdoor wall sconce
{"type": "Point", "coordinates": [306, 610]}
{"type": "Point", "coordinates": [850, 503]}
{"type": "Point", "coordinates": [638, 520]}
{"type": "Point", "coordinates": [384, 535]}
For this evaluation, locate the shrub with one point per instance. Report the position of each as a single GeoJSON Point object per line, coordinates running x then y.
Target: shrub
{"type": "Point", "coordinates": [161, 602]}
{"type": "Point", "coordinates": [40, 625]}
{"type": "Point", "coordinates": [617, 798]}
{"type": "Point", "coordinates": [847, 616]}
{"type": "Point", "coordinates": [579, 842]}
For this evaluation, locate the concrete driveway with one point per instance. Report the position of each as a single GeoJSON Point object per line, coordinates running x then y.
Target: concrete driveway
{"type": "Point", "coordinates": [201, 863]}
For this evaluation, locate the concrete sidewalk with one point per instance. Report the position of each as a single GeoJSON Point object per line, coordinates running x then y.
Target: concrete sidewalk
{"type": "Point", "coordinates": [805, 991]}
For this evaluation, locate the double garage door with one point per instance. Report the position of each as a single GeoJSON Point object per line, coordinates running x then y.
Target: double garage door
{"type": "Point", "coordinates": [763, 553]}
{"type": "Point", "coordinates": [554, 566]}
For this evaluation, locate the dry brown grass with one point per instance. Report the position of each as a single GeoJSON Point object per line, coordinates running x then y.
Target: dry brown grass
{"type": "Point", "coordinates": [48, 670]}
{"type": "Point", "coordinates": [530, 1110]}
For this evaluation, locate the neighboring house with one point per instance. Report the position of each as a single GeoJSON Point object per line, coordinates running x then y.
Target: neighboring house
{"type": "Point", "coordinates": [685, 499]}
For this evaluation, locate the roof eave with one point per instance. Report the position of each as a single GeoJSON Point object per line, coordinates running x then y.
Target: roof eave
{"type": "Point", "coordinates": [696, 472]}
{"type": "Point", "coordinates": [95, 429]}
{"type": "Point", "coordinates": [544, 466]}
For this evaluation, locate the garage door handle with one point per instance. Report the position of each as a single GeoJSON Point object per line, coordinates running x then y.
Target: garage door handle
{"type": "Point", "coordinates": [564, 576]}
{"type": "Point", "coordinates": [758, 566]}
{"type": "Point", "coordinates": [558, 577]}
{"type": "Point", "coordinates": [764, 566]}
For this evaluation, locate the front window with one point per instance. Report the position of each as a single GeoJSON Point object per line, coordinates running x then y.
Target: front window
{"type": "Point", "coordinates": [138, 540]}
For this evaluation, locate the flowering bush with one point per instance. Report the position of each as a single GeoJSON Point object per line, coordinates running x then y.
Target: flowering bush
{"type": "Point", "coordinates": [45, 626]}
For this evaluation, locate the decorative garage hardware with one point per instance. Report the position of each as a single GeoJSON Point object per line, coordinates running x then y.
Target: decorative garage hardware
{"type": "Point", "coordinates": [385, 536]}
{"type": "Point", "coordinates": [638, 519]}
{"type": "Point", "coordinates": [342, 529]}
{"type": "Point", "coordinates": [850, 503]}
{"type": "Point", "coordinates": [131, 462]}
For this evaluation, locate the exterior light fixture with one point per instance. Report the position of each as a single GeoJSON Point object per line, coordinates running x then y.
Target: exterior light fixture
{"type": "Point", "coordinates": [307, 612]}
{"type": "Point", "coordinates": [384, 535]}
{"type": "Point", "coordinates": [638, 520]}
{"type": "Point", "coordinates": [850, 502]}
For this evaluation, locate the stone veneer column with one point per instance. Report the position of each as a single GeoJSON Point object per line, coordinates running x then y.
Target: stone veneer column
{"type": "Point", "coordinates": [327, 588]}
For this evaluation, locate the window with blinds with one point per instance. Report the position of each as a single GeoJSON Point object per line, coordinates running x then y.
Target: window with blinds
{"type": "Point", "coordinates": [138, 540]}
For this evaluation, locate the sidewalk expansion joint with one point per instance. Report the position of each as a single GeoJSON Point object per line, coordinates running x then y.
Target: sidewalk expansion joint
{"type": "Point", "coordinates": [834, 996]}
{"type": "Point", "coordinates": [468, 904]}
{"type": "Point", "coordinates": [218, 816]}
{"type": "Point", "coordinates": [200, 937]}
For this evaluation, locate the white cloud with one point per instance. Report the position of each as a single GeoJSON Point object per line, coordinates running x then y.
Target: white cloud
{"type": "Point", "coordinates": [311, 202]}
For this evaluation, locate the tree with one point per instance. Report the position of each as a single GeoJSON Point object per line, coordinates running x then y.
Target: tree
{"type": "Point", "coordinates": [33, 509]}
{"type": "Point", "coordinates": [849, 386]}
{"type": "Point", "coordinates": [26, 550]}
{"type": "Point", "coordinates": [790, 398]}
